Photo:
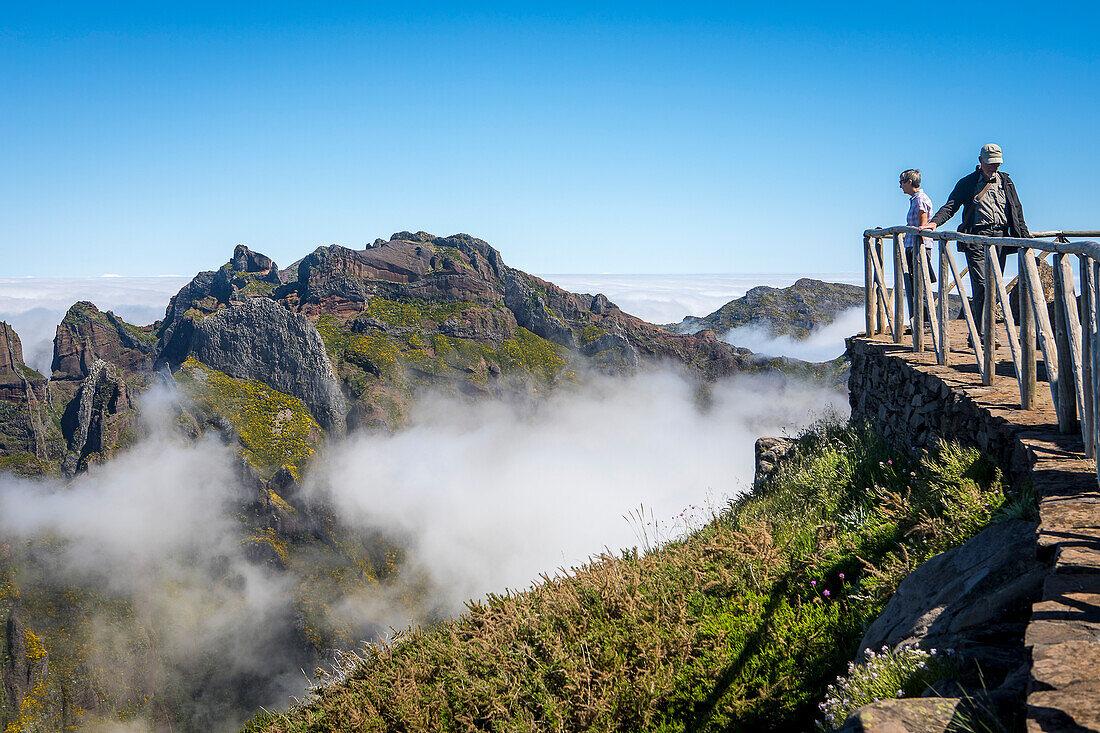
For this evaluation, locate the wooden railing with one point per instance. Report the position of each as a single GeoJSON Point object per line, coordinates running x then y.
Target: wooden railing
{"type": "Point", "coordinates": [1070, 345]}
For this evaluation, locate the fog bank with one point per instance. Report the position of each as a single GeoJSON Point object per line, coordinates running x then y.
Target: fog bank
{"type": "Point", "coordinates": [823, 343]}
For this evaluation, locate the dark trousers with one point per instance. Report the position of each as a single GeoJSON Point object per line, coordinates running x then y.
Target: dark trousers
{"type": "Point", "coordinates": [975, 260]}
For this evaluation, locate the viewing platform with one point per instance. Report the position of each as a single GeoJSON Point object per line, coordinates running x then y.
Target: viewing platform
{"type": "Point", "coordinates": [1028, 398]}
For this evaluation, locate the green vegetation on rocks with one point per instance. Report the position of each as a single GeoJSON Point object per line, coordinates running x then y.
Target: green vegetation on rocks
{"type": "Point", "coordinates": [794, 310]}
{"type": "Point", "coordinates": [738, 626]}
{"type": "Point", "coordinates": [411, 312]}
{"type": "Point", "coordinates": [275, 429]}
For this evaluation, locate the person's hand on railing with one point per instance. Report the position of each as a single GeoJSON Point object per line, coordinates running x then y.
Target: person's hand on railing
{"type": "Point", "coordinates": [930, 225]}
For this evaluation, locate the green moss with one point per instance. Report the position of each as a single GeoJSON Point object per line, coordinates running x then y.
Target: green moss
{"type": "Point", "coordinates": [251, 284]}
{"type": "Point", "coordinates": [442, 346]}
{"type": "Point", "coordinates": [425, 361]}
{"type": "Point", "coordinates": [274, 428]}
{"type": "Point", "coordinates": [455, 255]}
{"type": "Point", "coordinates": [532, 353]}
{"type": "Point", "coordinates": [269, 538]}
{"type": "Point", "coordinates": [30, 374]}
{"type": "Point", "coordinates": [334, 335]}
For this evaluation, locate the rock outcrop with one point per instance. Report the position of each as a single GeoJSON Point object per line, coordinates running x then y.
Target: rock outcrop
{"type": "Point", "coordinates": [769, 456]}
{"type": "Point", "coordinates": [261, 340]}
{"type": "Point", "coordinates": [975, 600]}
{"type": "Point", "coordinates": [923, 715]}
{"type": "Point", "coordinates": [795, 310]}
{"type": "Point", "coordinates": [27, 436]}
{"type": "Point", "coordinates": [96, 421]}
{"type": "Point", "coordinates": [87, 335]}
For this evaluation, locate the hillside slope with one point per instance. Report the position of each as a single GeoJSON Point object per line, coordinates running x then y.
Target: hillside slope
{"type": "Point", "coordinates": [737, 627]}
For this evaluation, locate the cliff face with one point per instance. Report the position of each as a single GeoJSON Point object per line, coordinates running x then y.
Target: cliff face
{"type": "Point", "coordinates": [28, 437]}
{"type": "Point", "coordinates": [260, 340]}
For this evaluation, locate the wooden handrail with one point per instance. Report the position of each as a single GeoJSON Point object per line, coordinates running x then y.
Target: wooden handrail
{"type": "Point", "coordinates": [1070, 345]}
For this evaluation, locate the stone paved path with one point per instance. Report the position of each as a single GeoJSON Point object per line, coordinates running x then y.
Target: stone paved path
{"type": "Point", "coordinates": [1064, 632]}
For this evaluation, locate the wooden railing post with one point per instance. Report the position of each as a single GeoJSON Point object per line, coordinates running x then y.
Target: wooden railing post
{"type": "Point", "coordinates": [1094, 316]}
{"type": "Point", "coordinates": [988, 321]}
{"type": "Point", "coordinates": [1029, 375]}
{"type": "Point", "coordinates": [1046, 334]}
{"type": "Point", "coordinates": [945, 342]}
{"type": "Point", "coordinates": [868, 287]}
{"type": "Point", "coordinates": [1088, 324]}
{"type": "Point", "coordinates": [899, 288]}
{"type": "Point", "coordinates": [1067, 339]}
{"type": "Point", "coordinates": [882, 303]}
{"type": "Point", "coordinates": [918, 278]}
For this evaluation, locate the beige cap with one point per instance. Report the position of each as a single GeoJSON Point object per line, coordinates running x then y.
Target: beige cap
{"type": "Point", "coordinates": [991, 153]}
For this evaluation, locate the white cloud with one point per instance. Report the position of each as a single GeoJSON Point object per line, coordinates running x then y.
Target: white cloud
{"type": "Point", "coordinates": [821, 344]}
{"type": "Point", "coordinates": [669, 298]}
{"type": "Point", "coordinates": [493, 494]}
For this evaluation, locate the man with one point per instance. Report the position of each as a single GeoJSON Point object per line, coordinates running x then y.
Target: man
{"type": "Point", "coordinates": [990, 208]}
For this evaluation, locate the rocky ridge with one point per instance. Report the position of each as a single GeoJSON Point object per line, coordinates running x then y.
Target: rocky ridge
{"type": "Point", "coordinates": [273, 361]}
{"type": "Point", "coordinates": [794, 310]}
{"type": "Point", "coordinates": [354, 336]}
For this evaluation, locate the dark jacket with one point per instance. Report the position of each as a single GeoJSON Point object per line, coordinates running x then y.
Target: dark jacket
{"type": "Point", "coordinates": [963, 195]}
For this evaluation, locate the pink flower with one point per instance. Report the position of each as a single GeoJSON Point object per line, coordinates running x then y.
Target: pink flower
{"type": "Point", "coordinates": [826, 594]}
{"type": "Point", "coordinates": [842, 576]}
{"type": "Point", "coordinates": [813, 583]}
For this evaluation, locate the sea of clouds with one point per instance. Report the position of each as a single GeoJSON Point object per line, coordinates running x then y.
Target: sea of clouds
{"type": "Point", "coordinates": [485, 495]}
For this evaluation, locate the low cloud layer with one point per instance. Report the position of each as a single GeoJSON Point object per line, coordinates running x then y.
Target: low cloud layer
{"type": "Point", "coordinates": [821, 344]}
{"type": "Point", "coordinates": [669, 298]}
{"type": "Point", "coordinates": [484, 496]}
{"type": "Point", "coordinates": [494, 494]}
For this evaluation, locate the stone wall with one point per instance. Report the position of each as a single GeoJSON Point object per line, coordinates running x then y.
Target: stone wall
{"type": "Point", "coordinates": [916, 404]}
{"type": "Point", "coordinates": [916, 401]}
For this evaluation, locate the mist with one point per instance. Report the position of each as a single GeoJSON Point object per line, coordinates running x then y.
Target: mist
{"type": "Point", "coordinates": [483, 496]}
{"type": "Point", "coordinates": [823, 343]}
{"type": "Point", "coordinates": [493, 494]}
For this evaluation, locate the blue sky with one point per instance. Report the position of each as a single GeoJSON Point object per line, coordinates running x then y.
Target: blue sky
{"type": "Point", "coordinates": [150, 138]}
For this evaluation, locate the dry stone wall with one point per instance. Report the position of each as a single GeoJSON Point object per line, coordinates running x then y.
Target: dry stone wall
{"type": "Point", "coordinates": [916, 401]}
{"type": "Point", "coordinates": [917, 404]}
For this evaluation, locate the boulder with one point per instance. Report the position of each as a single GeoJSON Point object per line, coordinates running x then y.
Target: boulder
{"type": "Point", "coordinates": [261, 340]}
{"type": "Point", "coordinates": [974, 599]}
{"type": "Point", "coordinates": [246, 261]}
{"type": "Point", "coordinates": [769, 454]}
{"type": "Point", "coordinates": [919, 715]}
